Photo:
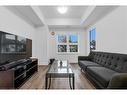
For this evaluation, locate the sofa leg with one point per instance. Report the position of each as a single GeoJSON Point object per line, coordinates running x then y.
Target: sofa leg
{"type": "Point", "coordinates": [81, 69]}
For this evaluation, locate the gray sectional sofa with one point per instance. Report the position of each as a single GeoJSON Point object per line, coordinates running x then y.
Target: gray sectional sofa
{"type": "Point", "coordinates": [106, 70]}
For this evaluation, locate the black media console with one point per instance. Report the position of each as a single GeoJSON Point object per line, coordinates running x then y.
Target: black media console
{"type": "Point", "coordinates": [13, 75]}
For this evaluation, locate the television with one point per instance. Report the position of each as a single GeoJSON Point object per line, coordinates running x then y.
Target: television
{"type": "Point", "coordinates": [14, 47]}
{"type": "Point", "coordinates": [21, 44]}
{"type": "Point", "coordinates": [10, 43]}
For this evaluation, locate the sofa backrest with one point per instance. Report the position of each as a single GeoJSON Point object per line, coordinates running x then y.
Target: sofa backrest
{"type": "Point", "coordinates": [114, 61]}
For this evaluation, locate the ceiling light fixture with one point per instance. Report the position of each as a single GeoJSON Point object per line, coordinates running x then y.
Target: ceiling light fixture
{"type": "Point", "coordinates": [62, 9]}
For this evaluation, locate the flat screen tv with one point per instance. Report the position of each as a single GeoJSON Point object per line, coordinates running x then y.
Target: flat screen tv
{"type": "Point", "coordinates": [20, 44]}
{"type": "Point", "coordinates": [10, 43]}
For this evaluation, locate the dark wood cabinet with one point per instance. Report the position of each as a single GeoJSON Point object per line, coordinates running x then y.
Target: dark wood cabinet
{"type": "Point", "coordinates": [14, 78]}
{"type": "Point", "coordinates": [29, 48]}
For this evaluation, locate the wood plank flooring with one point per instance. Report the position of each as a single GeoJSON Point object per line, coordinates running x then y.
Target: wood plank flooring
{"type": "Point", "coordinates": [37, 81]}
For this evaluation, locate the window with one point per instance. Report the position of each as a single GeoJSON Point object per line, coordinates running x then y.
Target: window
{"type": "Point", "coordinates": [73, 48]}
{"type": "Point", "coordinates": [62, 48]}
{"type": "Point", "coordinates": [93, 39]}
{"type": "Point", "coordinates": [67, 43]}
{"type": "Point", "coordinates": [62, 39]}
{"type": "Point", "coordinates": [73, 39]}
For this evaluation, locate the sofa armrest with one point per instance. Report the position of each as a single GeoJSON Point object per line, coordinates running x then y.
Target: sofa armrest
{"type": "Point", "coordinates": [118, 81]}
{"type": "Point", "coordinates": [83, 58]}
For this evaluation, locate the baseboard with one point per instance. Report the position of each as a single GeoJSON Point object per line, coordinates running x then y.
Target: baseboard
{"type": "Point", "coordinates": [43, 64]}
{"type": "Point", "coordinates": [73, 63]}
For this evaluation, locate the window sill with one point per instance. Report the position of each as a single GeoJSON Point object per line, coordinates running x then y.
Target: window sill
{"type": "Point", "coordinates": [67, 53]}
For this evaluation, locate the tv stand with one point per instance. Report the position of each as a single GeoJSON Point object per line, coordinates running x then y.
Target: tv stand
{"type": "Point", "coordinates": [15, 77]}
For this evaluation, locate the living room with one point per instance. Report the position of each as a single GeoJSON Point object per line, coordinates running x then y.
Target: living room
{"type": "Point", "coordinates": [63, 47]}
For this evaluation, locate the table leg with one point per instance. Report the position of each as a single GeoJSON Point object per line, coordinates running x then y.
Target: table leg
{"type": "Point", "coordinates": [46, 82]}
{"type": "Point", "coordinates": [70, 82]}
{"type": "Point", "coordinates": [73, 82]}
{"type": "Point", "coordinates": [49, 82]}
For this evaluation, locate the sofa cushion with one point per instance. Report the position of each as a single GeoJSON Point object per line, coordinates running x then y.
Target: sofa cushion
{"type": "Point", "coordinates": [85, 64]}
{"type": "Point", "coordinates": [113, 61]}
{"type": "Point", "coordinates": [101, 74]}
{"type": "Point", "coordinates": [118, 81]}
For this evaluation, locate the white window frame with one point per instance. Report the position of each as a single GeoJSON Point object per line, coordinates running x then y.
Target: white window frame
{"type": "Point", "coordinates": [68, 51]}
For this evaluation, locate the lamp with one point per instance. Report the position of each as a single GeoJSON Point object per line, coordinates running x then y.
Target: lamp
{"type": "Point", "coordinates": [62, 9]}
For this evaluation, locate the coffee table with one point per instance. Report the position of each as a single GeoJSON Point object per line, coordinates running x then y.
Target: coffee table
{"type": "Point", "coordinates": [60, 69]}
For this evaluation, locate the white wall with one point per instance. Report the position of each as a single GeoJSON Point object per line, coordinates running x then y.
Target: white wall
{"type": "Point", "coordinates": [11, 23]}
{"type": "Point", "coordinates": [40, 48]}
{"type": "Point", "coordinates": [111, 32]}
{"type": "Point", "coordinates": [73, 58]}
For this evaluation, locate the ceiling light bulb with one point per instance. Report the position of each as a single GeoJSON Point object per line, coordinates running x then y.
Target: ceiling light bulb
{"type": "Point", "coordinates": [62, 9]}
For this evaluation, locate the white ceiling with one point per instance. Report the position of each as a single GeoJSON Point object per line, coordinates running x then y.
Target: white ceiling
{"type": "Point", "coordinates": [27, 14]}
{"type": "Point", "coordinates": [98, 13]}
{"type": "Point", "coordinates": [76, 17]}
{"type": "Point", "coordinates": [50, 12]}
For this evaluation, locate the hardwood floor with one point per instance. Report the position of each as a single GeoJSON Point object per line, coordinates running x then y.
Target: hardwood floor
{"type": "Point", "coordinates": [37, 81]}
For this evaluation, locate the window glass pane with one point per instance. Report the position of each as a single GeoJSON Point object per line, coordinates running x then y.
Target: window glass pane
{"type": "Point", "coordinates": [62, 48]}
{"type": "Point", "coordinates": [62, 39]}
{"type": "Point", "coordinates": [73, 39]}
{"type": "Point", "coordinates": [73, 48]}
{"type": "Point", "coordinates": [93, 39]}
